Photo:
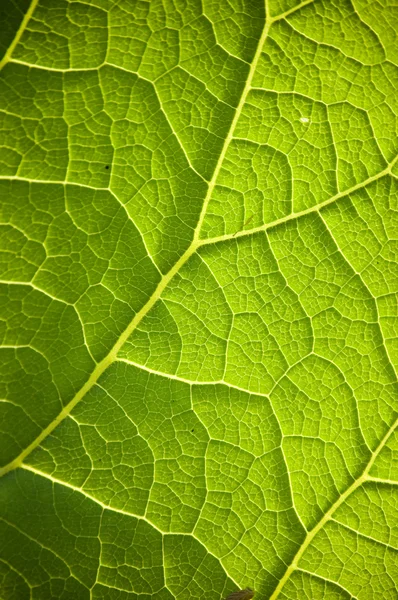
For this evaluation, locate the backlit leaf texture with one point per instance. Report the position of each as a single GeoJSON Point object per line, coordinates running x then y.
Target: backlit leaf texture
{"type": "Point", "coordinates": [199, 307]}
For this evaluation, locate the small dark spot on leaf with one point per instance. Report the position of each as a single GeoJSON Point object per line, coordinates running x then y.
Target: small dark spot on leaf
{"type": "Point", "coordinates": [192, 430]}
{"type": "Point", "coordinates": [107, 167]}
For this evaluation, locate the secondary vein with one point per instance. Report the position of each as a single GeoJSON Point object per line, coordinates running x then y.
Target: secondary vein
{"type": "Point", "coordinates": [112, 355]}
{"type": "Point", "coordinates": [363, 478]}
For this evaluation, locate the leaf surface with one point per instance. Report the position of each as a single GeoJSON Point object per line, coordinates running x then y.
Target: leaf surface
{"type": "Point", "coordinates": [199, 300]}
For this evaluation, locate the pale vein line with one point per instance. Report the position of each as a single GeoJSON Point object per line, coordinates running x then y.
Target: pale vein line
{"type": "Point", "coordinates": [104, 364]}
{"type": "Point", "coordinates": [37, 289]}
{"type": "Point", "coordinates": [12, 568]}
{"type": "Point", "coordinates": [229, 137]}
{"type": "Point", "coordinates": [291, 10]}
{"type": "Point", "coordinates": [381, 480]}
{"type": "Point", "coordinates": [112, 355]}
{"type": "Point", "coordinates": [288, 473]}
{"type": "Point", "coordinates": [231, 236]}
{"type": "Point", "coordinates": [19, 34]}
{"type": "Point", "coordinates": [339, 50]}
{"type": "Point", "coordinates": [360, 276]}
{"type": "Point", "coordinates": [16, 61]}
{"type": "Point", "coordinates": [196, 243]}
{"type": "Point", "coordinates": [83, 185]}
{"type": "Point", "coordinates": [173, 131]}
{"type": "Point", "coordinates": [45, 547]}
{"type": "Point", "coordinates": [336, 169]}
{"type": "Point", "coordinates": [189, 381]}
{"type": "Point", "coordinates": [104, 506]}
{"type": "Point", "coordinates": [328, 515]}
{"type": "Point", "coordinates": [369, 27]}
{"type": "Point", "coordinates": [294, 93]}
{"type": "Point", "coordinates": [100, 556]}
{"type": "Point", "coordinates": [80, 490]}
{"type": "Point", "coordinates": [130, 71]}
{"type": "Point", "coordinates": [127, 591]}
{"type": "Point", "coordinates": [307, 211]}
{"type": "Point", "coordinates": [166, 586]}
{"type": "Point", "coordinates": [53, 182]}
{"type": "Point", "coordinates": [328, 581]}
{"type": "Point", "coordinates": [363, 535]}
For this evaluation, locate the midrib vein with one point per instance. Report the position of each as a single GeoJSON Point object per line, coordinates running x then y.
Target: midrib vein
{"type": "Point", "coordinates": [104, 364]}
{"type": "Point", "coordinates": [19, 33]}
{"type": "Point", "coordinates": [363, 478]}
{"type": "Point", "coordinates": [195, 245]}
{"type": "Point", "coordinates": [229, 137]}
{"type": "Point", "coordinates": [112, 355]}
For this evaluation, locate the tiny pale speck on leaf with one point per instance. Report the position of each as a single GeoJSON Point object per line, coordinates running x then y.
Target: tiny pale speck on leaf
{"type": "Point", "coordinates": [231, 275]}
{"type": "Point", "coordinates": [245, 594]}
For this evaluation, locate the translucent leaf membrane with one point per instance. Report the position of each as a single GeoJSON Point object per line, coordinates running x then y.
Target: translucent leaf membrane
{"type": "Point", "coordinates": [198, 300]}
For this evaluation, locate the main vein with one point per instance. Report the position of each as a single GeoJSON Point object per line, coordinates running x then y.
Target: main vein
{"type": "Point", "coordinates": [229, 137]}
{"type": "Point", "coordinates": [110, 358]}
{"type": "Point", "coordinates": [195, 244]}
{"type": "Point", "coordinates": [104, 364]}
{"type": "Point", "coordinates": [22, 27]}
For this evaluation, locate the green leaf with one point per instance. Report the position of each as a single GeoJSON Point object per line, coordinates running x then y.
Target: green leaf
{"type": "Point", "coordinates": [199, 299]}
